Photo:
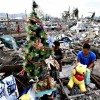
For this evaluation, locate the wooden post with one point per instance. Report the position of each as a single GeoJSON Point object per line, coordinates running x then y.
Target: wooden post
{"type": "Point", "coordinates": [25, 13]}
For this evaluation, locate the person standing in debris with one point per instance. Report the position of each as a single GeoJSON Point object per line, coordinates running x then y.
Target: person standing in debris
{"type": "Point", "coordinates": [58, 54]}
{"type": "Point", "coordinates": [86, 56]}
{"type": "Point", "coordinates": [18, 28]}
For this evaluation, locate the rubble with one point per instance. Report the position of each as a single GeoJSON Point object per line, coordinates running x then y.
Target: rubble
{"type": "Point", "coordinates": [92, 86]}
{"type": "Point", "coordinates": [10, 59]}
{"type": "Point", "coordinates": [70, 43]}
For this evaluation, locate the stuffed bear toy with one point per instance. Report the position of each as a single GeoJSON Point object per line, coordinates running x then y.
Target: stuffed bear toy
{"type": "Point", "coordinates": [78, 77]}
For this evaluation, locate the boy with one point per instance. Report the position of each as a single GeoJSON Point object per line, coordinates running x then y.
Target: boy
{"type": "Point", "coordinates": [86, 56]}
{"type": "Point", "coordinates": [58, 54]}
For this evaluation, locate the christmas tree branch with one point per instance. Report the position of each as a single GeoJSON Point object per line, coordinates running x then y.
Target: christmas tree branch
{"type": "Point", "coordinates": [34, 19]}
{"type": "Point", "coordinates": [37, 63]}
{"type": "Point", "coordinates": [42, 47]}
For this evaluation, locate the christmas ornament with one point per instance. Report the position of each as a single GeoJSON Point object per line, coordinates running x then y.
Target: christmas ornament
{"type": "Point", "coordinates": [39, 44]}
{"type": "Point", "coordinates": [34, 33]}
{"type": "Point", "coordinates": [53, 62]}
{"type": "Point", "coordinates": [30, 70]}
{"type": "Point", "coordinates": [42, 49]}
{"type": "Point", "coordinates": [42, 36]}
{"type": "Point", "coordinates": [30, 59]}
{"type": "Point", "coordinates": [26, 63]}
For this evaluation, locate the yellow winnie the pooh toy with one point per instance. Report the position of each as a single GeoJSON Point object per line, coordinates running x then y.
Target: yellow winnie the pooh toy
{"type": "Point", "coordinates": [78, 76]}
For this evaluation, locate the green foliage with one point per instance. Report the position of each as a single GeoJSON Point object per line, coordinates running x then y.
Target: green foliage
{"type": "Point", "coordinates": [35, 32]}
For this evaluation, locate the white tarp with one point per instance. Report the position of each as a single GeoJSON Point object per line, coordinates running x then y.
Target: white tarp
{"type": "Point", "coordinates": [10, 88]}
{"type": "Point", "coordinates": [2, 91]}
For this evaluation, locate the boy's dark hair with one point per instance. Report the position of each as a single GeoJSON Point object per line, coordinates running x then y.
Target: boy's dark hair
{"type": "Point", "coordinates": [86, 46]}
{"type": "Point", "coordinates": [56, 43]}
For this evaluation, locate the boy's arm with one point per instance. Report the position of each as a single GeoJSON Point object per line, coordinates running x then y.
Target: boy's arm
{"type": "Point", "coordinates": [93, 60]}
{"type": "Point", "coordinates": [91, 65]}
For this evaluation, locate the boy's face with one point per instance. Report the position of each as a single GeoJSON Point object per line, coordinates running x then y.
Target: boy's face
{"type": "Point", "coordinates": [86, 51]}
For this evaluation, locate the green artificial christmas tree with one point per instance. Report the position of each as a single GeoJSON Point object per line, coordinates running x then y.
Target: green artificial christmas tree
{"type": "Point", "coordinates": [36, 50]}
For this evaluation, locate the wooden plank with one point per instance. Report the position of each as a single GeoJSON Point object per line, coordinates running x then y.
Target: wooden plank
{"type": "Point", "coordinates": [64, 89]}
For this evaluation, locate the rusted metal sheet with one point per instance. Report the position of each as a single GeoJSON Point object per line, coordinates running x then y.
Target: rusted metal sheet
{"type": "Point", "coordinates": [11, 68]}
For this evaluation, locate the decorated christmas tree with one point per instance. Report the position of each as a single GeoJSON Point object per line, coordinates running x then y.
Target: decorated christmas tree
{"type": "Point", "coordinates": [36, 50]}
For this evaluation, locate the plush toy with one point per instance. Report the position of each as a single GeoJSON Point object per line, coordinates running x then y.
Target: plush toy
{"type": "Point", "coordinates": [25, 97]}
{"type": "Point", "coordinates": [78, 77]}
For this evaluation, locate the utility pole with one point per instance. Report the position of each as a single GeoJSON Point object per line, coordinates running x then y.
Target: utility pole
{"type": "Point", "coordinates": [7, 18]}
{"type": "Point", "coordinates": [69, 11]}
{"type": "Point", "coordinates": [8, 22]}
{"type": "Point", "coordinates": [25, 13]}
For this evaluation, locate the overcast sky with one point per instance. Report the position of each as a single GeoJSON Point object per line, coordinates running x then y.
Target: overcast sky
{"type": "Point", "coordinates": [52, 7]}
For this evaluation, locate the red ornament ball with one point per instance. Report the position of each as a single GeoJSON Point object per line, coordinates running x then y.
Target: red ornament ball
{"type": "Point", "coordinates": [26, 63]}
{"type": "Point", "coordinates": [34, 33]}
{"type": "Point", "coordinates": [30, 59]}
